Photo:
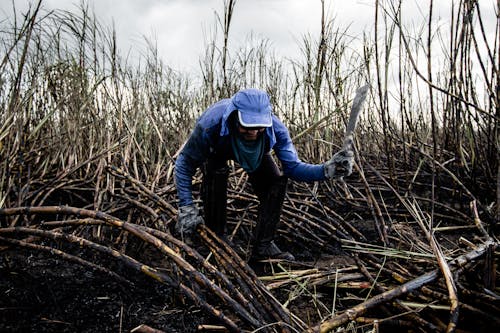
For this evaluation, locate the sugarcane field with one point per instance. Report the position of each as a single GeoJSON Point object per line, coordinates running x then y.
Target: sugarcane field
{"type": "Point", "coordinates": [354, 188]}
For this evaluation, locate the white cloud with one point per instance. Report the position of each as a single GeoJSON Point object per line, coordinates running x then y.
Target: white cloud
{"type": "Point", "coordinates": [179, 25]}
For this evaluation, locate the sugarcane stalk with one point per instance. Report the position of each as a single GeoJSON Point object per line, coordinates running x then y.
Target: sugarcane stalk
{"type": "Point", "coordinates": [241, 297]}
{"type": "Point", "coordinates": [389, 295]}
{"type": "Point", "coordinates": [398, 304]}
{"type": "Point", "coordinates": [187, 269]}
{"type": "Point", "coordinates": [143, 189]}
{"type": "Point", "coordinates": [247, 274]}
{"type": "Point", "coordinates": [59, 253]}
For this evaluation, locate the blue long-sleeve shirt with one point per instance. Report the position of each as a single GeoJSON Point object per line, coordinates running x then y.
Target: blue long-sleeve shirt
{"type": "Point", "coordinates": [211, 134]}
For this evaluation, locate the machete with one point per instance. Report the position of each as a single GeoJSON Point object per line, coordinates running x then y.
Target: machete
{"type": "Point", "coordinates": [347, 145]}
{"type": "Point", "coordinates": [357, 104]}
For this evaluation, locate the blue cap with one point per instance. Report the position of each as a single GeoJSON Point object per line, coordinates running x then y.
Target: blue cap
{"type": "Point", "coordinates": [254, 108]}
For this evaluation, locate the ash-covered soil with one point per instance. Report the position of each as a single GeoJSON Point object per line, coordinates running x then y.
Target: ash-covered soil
{"type": "Point", "coordinates": [42, 294]}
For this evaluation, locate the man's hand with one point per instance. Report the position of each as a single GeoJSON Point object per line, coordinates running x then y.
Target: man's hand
{"type": "Point", "coordinates": [189, 217]}
{"type": "Point", "coordinates": [340, 165]}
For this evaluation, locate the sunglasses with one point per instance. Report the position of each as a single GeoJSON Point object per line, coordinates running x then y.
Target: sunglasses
{"type": "Point", "coordinates": [245, 128]}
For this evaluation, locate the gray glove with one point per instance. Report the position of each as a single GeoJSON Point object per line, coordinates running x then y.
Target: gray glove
{"type": "Point", "coordinates": [340, 165]}
{"type": "Point", "coordinates": [189, 217]}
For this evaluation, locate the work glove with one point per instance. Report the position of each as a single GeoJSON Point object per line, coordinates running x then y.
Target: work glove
{"type": "Point", "coordinates": [340, 164]}
{"type": "Point", "coordinates": [188, 218]}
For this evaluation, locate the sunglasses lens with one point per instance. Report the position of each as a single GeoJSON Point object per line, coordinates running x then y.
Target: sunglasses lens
{"type": "Point", "coordinates": [251, 128]}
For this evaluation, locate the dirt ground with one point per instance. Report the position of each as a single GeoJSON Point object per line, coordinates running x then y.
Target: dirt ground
{"type": "Point", "coordinates": [43, 294]}
{"type": "Point", "coordinates": [40, 293]}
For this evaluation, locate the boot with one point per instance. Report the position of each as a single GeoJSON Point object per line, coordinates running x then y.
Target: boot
{"type": "Point", "coordinates": [214, 196]}
{"type": "Point", "coordinates": [270, 207]}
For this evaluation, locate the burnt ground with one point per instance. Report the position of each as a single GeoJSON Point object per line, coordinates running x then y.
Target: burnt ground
{"type": "Point", "coordinates": [44, 294]}
{"type": "Point", "coordinates": [40, 292]}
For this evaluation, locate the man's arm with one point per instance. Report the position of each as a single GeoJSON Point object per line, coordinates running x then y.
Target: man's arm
{"type": "Point", "coordinates": [193, 154]}
{"type": "Point", "coordinates": [293, 167]}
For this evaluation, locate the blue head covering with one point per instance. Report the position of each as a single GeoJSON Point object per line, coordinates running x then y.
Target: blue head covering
{"type": "Point", "coordinates": [254, 108]}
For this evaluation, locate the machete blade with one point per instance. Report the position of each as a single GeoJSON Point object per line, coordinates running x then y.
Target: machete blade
{"type": "Point", "coordinates": [357, 104]}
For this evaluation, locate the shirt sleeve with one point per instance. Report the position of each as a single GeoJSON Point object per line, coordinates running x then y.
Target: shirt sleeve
{"type": "Point", "coordinates": [293, 167]}
{"type": "Point", "coordinates": [193, 154]}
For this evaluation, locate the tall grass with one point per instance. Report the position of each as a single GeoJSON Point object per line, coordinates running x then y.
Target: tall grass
{"type": "Point", "coordinates": [71, 104]}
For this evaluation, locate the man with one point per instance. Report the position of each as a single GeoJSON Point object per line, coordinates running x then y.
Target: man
{"type": "Point", "coordinates": [243, 128]}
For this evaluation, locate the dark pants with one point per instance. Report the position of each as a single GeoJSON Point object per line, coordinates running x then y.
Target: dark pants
{"type": "Point", "coordinates": [268, 183]}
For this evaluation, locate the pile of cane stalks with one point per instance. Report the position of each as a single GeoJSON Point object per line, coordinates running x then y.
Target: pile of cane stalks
{"type": "Point", "coordinates": [366, 254]}
{"type": "Point", "coordinates": [408, 242]}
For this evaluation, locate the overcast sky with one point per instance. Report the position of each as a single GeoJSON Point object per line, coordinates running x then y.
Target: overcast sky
{"type": "Point", "coordinates": [180, 26]}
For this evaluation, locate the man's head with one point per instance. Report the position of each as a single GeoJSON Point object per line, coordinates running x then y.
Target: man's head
{"type": "Point", "coordinates": [253, 110]}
